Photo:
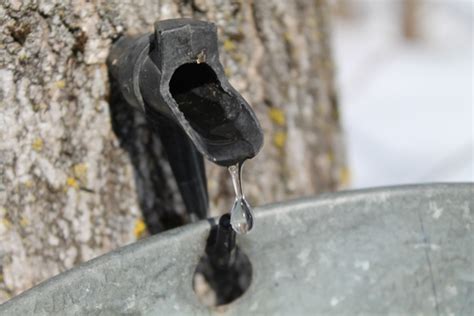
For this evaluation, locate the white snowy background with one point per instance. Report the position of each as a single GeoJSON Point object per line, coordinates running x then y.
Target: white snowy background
{"type": "Point", "coordinates": [407, 107]}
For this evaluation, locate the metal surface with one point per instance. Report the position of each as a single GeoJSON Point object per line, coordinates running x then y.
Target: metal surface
{"type": "Point", "coordinates": [400, 251]}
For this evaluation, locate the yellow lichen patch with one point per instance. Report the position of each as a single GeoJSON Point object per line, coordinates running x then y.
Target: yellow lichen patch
{"type": "Point", "coordinates": [6, 223]}
{"type": "Point", "coordinates": [24, 222]}
{"type": "Point", "coordinates": [277, 116]}
{"type": "Point", "coordinates": [330, 156]}
{"type": "Point", "coordinates": [80, 171]}
{"type": "Point", "coordinates": [239, 58]}
{"type": "Point", "coordinates": [37, 144]}
{"type": "Point", "coordinates": [279, 139]}
{"type": "Point", "coordinates": [344, 176]}
{"type": "Point", "coordinates": [39, 107]}
{"type": "Point", "coordinates": [229, 45]}
{"type": "Point", "coordinates": [72, 183]}
{"type": "Point", "coordinates": [28, 184]}
{"type": "Point", "coordinates": [60, 84]}
{"type": "Point", "coordinates": [140, 228]}
{"type": "Point", "coordinates": [227, 72]}
{"type": "Point", "coordinates": [22, 57]}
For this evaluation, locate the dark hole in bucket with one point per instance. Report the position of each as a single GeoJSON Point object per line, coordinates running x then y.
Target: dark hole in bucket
{"type": "Point", "coordinates": [221, 277]}
{"type": "Point", "coordinates": [206, 106]}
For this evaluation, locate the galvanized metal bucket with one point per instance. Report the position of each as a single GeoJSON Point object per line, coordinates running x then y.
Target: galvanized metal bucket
{"type": "Point", "coordinates": [404, 250]}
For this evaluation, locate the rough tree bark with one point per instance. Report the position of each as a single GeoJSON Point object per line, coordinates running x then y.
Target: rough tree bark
{"type": "Point", "coordinates": [78, 172]}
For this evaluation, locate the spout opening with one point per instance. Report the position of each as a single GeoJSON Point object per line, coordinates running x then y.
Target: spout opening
{"type": "Point", "coordinates": [209, 109]}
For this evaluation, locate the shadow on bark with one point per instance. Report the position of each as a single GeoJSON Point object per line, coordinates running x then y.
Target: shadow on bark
{"type": "Point", "coordinates": [157, 192]}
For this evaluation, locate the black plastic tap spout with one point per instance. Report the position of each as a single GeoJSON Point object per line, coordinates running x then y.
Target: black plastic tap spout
{"type": "Point", "coordinates": [175, 78]}
{"type": "Point", "coordinates": [175, 73]}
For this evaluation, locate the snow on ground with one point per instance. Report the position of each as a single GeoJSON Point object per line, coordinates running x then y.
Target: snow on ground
{"type": "Point", "coordinates": [407, 107]}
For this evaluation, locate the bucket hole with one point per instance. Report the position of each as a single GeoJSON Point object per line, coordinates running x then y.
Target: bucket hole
{"type": "Point", "coordinates": [216, 284]}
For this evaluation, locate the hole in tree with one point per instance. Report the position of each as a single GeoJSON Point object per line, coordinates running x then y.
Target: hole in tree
{"type": "Point", "coordinates": [205, 105]}
{"type": "Point", "coordinates": [217, 284]}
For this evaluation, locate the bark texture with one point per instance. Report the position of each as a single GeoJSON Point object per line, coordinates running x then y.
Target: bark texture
{"type": "Point", "coordinates": [79, 171]}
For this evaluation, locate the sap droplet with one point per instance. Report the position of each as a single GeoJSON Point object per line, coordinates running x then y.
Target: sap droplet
{"type": "Point", "coordinates": [241, 217]}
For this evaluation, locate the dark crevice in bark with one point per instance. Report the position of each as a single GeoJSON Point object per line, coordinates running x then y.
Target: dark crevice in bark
{"type": "Point", "coordinates": [19, 32]}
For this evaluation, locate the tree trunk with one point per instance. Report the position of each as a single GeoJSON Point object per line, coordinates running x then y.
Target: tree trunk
{"type": "Point", "coordinates": [409, 19]}
{"type": "Point", "coordinates": [79, 171]}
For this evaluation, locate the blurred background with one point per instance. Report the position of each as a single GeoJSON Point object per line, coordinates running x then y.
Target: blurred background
{"type": "Point", "coordinates": [404, 72]}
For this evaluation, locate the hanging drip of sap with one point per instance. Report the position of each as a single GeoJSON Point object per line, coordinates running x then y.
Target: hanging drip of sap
{"type": "Point", "coordinates": [241, 217]}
